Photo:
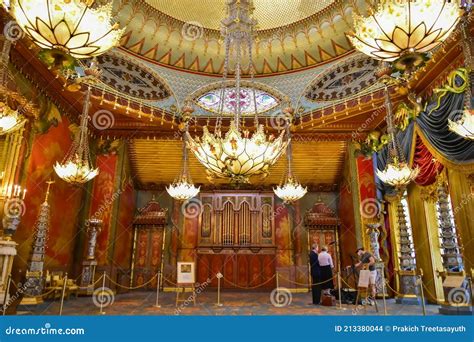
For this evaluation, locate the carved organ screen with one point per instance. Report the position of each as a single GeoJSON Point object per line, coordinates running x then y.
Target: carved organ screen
{"type": "Point", "coordinates": [236, 219]}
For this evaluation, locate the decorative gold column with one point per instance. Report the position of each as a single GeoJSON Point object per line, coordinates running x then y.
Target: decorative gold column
{"type": "Point", "coordinates": [425, 239]}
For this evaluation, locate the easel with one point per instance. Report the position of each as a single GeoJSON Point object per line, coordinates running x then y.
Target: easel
{"type": "Point", "coordinates": [363, 287]}
{"type": "Point", "coordinates": [181, 289]}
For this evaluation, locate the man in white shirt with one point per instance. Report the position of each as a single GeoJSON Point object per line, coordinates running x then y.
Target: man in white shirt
{"type": "Point", "coordinates": [326, 265]}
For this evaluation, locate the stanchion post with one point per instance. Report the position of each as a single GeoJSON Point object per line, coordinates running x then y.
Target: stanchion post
{"type": "Point", "coordinates": [339, 287]}
{"type": "Point", "coordinates": [5, 296]}
{"type": "Point", "coordinates": [63, 292]}
{"type": "Point", "coordinates": [219, 276]}
{"type": "Point", "coordinates": [102, 293]}
{"type": "Point", "coordinates": [158, 282]}
{"type": "Point", "coordinates": [422, 292]}
{"type": "Point", "coordinates": [384, 292]}
{"type": "Point", "coordinates": [278, 283]}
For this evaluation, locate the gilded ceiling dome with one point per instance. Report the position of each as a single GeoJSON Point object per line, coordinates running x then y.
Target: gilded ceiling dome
{"type": "Point", "coordinates": [291, 34]}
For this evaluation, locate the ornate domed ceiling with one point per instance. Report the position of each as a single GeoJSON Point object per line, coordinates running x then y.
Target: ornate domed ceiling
{"type": "Point", "coordinates": [269, 13]}
{"type": "Point", "coordinates": [292, 34]}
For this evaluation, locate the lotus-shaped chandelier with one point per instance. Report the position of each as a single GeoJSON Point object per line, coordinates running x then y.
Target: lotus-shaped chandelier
{"type": "Point", "coordinates": [463, 126]}
{"type": "Point", "coordinates": [73, 27]}
{"type": "Point", "coordinates": [397, 172]}
{"type": "Point", "coordinates": [183, 188]}
{"type": "Point", "coordinates": [237, 155]}
{"type": "Point", "coordinates": [290, 189]}
{"type": "Point", "coordinates": [77, 168]}
{"type": "Point", "coordinates": [9, 119]}
{"type": "Point", "coordinates": [403, 30]}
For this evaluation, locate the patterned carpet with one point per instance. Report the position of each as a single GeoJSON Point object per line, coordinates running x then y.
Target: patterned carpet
{"type": "Point", "coordinates": [234, 303]}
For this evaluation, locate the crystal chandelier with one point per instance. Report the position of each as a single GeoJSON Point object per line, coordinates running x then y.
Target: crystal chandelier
{"type": "Point", "coordinates": [77, 168]}
{"type": "Point", "coordinates": [464, 126]}
{"type": "Point", "coordinates": [237, 155]}
{"type": "Point", "coordinates": [290, 189]}
{"type": "Point", "coordinates": [73, 27]}
{"type": "Point", "coordinates": [397, 172]}
{"type": "Point", "coordinates": [402, 30]}
{"type": "Point", "coordinates": [183, 188]}
{"type": "Point", "coordinates": [10, 119]}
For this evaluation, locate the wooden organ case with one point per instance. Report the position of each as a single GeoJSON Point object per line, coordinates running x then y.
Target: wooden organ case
{"type": "Point", "coordinates": [237, 238]}
{"type": "Point", "coordinates": [322, 225]}
{"type": "Point", "coordinates": [148, 238]}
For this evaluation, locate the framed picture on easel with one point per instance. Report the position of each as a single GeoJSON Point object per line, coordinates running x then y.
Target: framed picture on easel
{"type": "Point", "coordinates": [186, 273]}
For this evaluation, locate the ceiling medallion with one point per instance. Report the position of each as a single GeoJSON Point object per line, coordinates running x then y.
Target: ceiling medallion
{"type": "Point", "coordinates": [237, 155]}
{"type": "Point", "coordinates": [72, 27]}
{"type": "Point", "coordinates": [401, 31]}
{"type": "Point", "coordinates": [182, 189]}
{"type": "Point", "coordinates": [77, 168]}
{"type": "Point", "coordinates": [289, 190]}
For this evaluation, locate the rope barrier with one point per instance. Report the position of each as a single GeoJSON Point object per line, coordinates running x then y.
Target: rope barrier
{"type": "Point", "coordinates": [306, 284]}
{"type": "Point", "coordinates": [251, 287]}
{"type": "Point", "coordinates": [132, 287]}
{"type": "Point", "coordinates": [169, 281]}
{"type": "Point", "coordinates": [352, 288]}
{"type": "Point", "coordinates": [393, 290]}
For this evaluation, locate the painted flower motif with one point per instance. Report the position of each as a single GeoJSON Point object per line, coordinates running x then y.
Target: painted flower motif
{"type": "Point", "coordinates": [71, 26]}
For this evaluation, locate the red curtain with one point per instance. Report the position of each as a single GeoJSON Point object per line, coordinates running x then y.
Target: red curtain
{"type": "Point", "coordinates": [428, 167]}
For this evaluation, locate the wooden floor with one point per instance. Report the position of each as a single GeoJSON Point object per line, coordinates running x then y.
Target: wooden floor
{"type": "Point", "coordinates": [234, 303]}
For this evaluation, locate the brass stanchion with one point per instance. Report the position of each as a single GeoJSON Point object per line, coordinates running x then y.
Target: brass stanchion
{"type": "Point", "coordinates": [339, 285]}
{"type": "Point", "coordinates": [420, 279]}
{"type": "Point", "coordinates": [5, 296]}
{"type": "Point", "coordinates": [384, 291]}
{"type": "Point", "coordinates": [63, 292]}
{"type": "Point", "coordinates": [102, 293]}
{"type": "Point", "coordinates": [219, 276]}
{"type": "Point", "coordinates": [278, 283]}
{"type": "Point", "coordinates": [158, 281]}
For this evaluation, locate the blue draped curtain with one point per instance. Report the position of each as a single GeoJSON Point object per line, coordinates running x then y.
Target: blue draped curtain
{"type": "Point", "coordinates": [432, 123]}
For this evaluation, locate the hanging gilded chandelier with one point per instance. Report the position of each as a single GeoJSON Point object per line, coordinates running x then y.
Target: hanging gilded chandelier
{"type": "Point", "coordinates": [77, 168]}
{"type": "Point", "coordinates": [237, 155]}
{"type": "Point", "coordinates": [402, 31]}
{"type": "Point", "coordinates": [183, 188]}
{"type": "Point", "coordinates": [290, 189]}
{"type": "Point", "coordinates": [464, 126]}
{"type": "Point", "coordinates": [10, 119]}
{"type": "Point", "coordinates": [397, 172]}
{"type": "Point", "coordinates": [73, 27]}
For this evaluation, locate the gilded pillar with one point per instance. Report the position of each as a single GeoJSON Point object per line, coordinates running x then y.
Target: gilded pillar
{"type": "Point", "coordinates": [426, 243]}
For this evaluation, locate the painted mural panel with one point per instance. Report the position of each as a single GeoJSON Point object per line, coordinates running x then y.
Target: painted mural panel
{"type": "Point", "coordinates": [65, 200]}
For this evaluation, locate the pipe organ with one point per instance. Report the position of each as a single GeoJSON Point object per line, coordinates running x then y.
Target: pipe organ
{"type": "Point", "coordinates": [242, 220]}
{"type": "Point", "coordinates": [236, 237]}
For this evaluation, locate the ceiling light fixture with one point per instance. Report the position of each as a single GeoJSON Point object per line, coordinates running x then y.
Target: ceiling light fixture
{"type": "Point", "coordinates": [401, 31]}
{"type": "Point", "coordinates": [73, 27]}
{"type": "Point", "coordinates": [237, 155]}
